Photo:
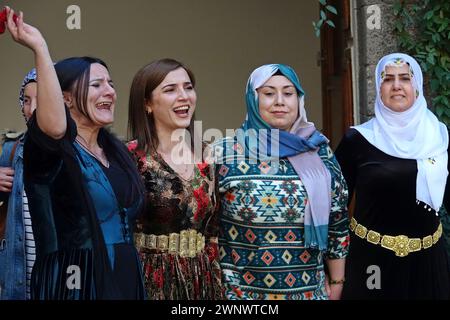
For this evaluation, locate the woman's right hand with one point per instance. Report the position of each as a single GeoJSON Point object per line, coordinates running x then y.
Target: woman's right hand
{"type": "Point", "coordinates": [50, 111]}
{"type": "Point", "coordinates": [23, 33]}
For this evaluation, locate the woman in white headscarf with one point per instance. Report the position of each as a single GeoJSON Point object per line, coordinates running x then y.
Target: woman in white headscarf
{"type": "Point", "coordinates": [396, 166]}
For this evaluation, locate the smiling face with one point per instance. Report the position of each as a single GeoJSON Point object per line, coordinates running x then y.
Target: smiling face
{"type": "Point", "coordinates": [101, 99]}
{"type": "Point", "coordinates": [397, 91]}
{"type": "Point", "coordinates": [173, 101]}
{"type": "Point", "coordinates": [29, 99]}
{"type": "Point", "coordinates": [278, 102]}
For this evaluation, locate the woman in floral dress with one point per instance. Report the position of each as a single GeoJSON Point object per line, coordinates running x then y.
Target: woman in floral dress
{"type": "Point", "coordinates": [177, 235]}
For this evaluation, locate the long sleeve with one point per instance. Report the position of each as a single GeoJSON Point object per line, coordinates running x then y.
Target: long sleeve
{"type": "Point", "coordinates": [338, 227]}
{"type": "Point", "coordinates": [232, 275]}
{"type": "Point", "coordinates": [6, 153]}
{"type": "Point", "coordinates": [345, 157]}
{"type": "Point", "coordinates": [42, 153]}
{"type": "Point", "coordinates": [232, 268]}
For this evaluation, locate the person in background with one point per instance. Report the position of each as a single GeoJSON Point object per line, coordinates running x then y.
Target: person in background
{"type": "Point", "coordinates": [17, 249]}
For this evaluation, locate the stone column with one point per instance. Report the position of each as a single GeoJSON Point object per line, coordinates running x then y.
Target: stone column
{"type": "Point", "coordinates": [375, 25]}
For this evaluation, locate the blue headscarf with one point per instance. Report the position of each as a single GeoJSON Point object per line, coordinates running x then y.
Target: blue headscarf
{"type": "Point", "coordinates": [289, 144]}
{"type": "Point", "coordinates": [299, 145]}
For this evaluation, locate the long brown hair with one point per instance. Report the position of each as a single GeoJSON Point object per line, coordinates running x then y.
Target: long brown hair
{"type": "Point", "coordinates": [141, 125]}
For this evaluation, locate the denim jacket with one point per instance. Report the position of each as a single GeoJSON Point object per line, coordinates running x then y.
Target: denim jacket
{"type": "Point", "coordinates": [12, 248]}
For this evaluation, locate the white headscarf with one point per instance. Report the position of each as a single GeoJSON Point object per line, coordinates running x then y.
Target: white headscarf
{"type": "Point", "coordinates": [412, 134]}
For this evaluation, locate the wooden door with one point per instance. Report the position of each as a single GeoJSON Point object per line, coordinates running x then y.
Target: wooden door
{"type": "Point", "coordinates": [335, 59]}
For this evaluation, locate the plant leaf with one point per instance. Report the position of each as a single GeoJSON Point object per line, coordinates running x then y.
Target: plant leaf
{"type": "Point", "coordinates": [319, 24]}
{"type": "Point", "coordinates": [317, 32]}
{"type": "Point", "coordinates": [330, 23]}
{"type": "Point", "coordinates": [331, 9]}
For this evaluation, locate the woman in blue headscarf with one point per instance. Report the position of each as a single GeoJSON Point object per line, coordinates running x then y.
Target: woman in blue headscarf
{"type": "Point", "coordinates": [283, 198]}
{"type": "Point", "coordinates": [396, 167]}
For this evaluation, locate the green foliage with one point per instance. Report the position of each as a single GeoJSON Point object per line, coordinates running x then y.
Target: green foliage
{"type": "Point", "coordinates": [423, 31]}
{"type": "Point", "coordinates": [325, 9]}
{"type": "Point", "coordinates": [445, 220]}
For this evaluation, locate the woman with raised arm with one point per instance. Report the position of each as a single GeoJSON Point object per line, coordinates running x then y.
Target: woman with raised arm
{"type": "Point", "coordinates": [84, 190]}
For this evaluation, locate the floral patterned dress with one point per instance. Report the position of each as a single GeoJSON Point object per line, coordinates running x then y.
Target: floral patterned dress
{"type": "Point", "coordinates": [174, 204]}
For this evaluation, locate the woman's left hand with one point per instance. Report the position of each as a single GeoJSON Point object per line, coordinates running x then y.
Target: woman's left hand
{"type": "Point", "coordinates": [334, 291]}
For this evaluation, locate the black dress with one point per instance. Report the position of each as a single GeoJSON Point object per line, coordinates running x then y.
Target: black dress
{"type": "Point", "coordinates": [385, 201]}
{"type": "Point", "coordinates": [83, 215]}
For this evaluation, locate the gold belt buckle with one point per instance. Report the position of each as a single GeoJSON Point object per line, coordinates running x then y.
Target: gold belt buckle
{"type": "Point", "coordinates": [398, 244]}
{"type": "Point", "coordinates": [401, 248]}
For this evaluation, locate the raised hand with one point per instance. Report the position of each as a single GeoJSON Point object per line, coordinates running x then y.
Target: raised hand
{"type": "Point", "coordinates": [6, 179]}
{"type": "Point", "coordinates": [50, 114]}
{"type": "Point", "coordinates": [23, 33]}
{"type": "Point", "coordinates": [3, 18]}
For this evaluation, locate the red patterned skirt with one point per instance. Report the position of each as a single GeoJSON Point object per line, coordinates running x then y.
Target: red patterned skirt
{"type": "Point", "coordinates": [171, 277]}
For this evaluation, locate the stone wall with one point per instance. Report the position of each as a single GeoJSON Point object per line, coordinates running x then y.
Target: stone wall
{"type": "Point", "coordinates": [375, 39]}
